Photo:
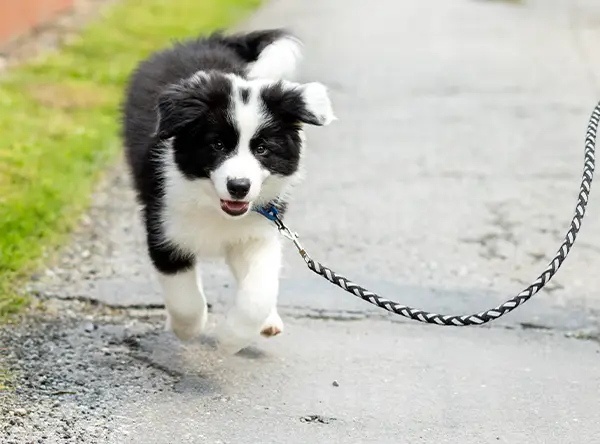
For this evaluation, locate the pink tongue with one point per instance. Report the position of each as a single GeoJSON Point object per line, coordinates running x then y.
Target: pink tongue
{"type": "Point", "coordinates": [234, 205]}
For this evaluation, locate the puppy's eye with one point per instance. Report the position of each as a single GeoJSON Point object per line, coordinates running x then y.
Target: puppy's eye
{"type": "Point", "coordinates": [261, 150]}
{"type": "Point", "coordinates": [218, 145]}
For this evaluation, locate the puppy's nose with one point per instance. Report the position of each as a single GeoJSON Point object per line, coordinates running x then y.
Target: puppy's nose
{"type": "Point", "coordinates": [238, 188]}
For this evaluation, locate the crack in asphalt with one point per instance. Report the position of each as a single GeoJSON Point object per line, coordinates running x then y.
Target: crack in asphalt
{"type": "Point", "coordinates": [490, 241]}
{"type": "Point", "coordinates": [292, 312]}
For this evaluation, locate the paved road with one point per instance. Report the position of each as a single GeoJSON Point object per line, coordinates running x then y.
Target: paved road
{"type": "Point", "coordinates": [447, 183]}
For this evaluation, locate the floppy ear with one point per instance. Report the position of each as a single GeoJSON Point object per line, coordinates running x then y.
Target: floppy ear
{"type": "Point", "coordinates": [318, 105]}
{"type": "Point", "coordinates": [303, 103]}
{"type": "Point", "coordinates": [179, 105]}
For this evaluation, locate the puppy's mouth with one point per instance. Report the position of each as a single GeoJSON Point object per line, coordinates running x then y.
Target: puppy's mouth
{"type": "Point", "coordinates": [234, 207]}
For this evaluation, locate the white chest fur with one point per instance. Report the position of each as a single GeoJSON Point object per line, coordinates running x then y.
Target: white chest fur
{"type": "Point", "coordinates": [193, 220]}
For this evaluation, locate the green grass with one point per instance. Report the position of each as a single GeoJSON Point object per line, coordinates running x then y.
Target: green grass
{"type": "Point", "coordinates": [59, 123]}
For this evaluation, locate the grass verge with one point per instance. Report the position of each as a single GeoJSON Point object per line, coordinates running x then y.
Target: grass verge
{"type": "Point", "coordinates": [59, 123]}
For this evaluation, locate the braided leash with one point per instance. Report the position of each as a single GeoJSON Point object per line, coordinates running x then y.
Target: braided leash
{"type": "Point", "coordinates": [488, 315]}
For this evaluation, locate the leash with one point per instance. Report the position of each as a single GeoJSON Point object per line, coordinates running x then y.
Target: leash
{"type": "Point", "coordinates": [271, 213]}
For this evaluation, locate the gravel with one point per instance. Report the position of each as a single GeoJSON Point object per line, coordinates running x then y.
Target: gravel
{"type": "Point", "coordinates": [63, 372]}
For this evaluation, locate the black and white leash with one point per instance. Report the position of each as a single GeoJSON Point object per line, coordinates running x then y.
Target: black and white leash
{"type": "Point", "coordinates": [478, 318]}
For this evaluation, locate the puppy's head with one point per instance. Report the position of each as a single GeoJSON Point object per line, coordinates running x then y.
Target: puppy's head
{"type": "Point", "coordinates": [244, 137]}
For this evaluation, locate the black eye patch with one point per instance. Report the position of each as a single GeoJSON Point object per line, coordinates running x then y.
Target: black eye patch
{"type": "Point", "coordinates": [204, 145]}
{"type": "Point", "coordinates": [196, 113]}
{"type": "Point", "coordinates": [283, 144]}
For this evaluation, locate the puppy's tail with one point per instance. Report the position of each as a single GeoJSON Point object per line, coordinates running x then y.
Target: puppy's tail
{"type": "Point", "coordinates": [271, 54]}
{"type": "Point", "coordinates": [278, 60]}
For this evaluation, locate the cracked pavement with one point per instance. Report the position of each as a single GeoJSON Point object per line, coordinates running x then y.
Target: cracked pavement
{"type": "Point", "coordinates": [457, 161]}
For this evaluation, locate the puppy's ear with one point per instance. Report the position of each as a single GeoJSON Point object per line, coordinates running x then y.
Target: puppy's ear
{"type": "Point", "coordinates": [299, 103]}
{"type": "Point", "coordinates": [181, 104]}
{"type": "Point", "coordinates": [318, 105]}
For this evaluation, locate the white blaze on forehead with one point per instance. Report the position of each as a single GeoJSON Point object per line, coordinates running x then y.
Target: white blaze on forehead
{"type": "Point", "coordinates": [248, 116]}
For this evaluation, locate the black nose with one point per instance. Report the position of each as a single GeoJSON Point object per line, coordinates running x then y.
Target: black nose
{"type": "Point", "coordinates": [238, 188]}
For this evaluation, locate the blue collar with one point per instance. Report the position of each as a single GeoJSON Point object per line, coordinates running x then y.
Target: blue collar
{"type": "Point", "coordinates": [270, 211]}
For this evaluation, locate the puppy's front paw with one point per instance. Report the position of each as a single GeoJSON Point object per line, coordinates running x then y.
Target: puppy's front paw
{"type": "Point", "coordinates": [185, 328]}
{"type": "Point", "coordinates": [272, 326]}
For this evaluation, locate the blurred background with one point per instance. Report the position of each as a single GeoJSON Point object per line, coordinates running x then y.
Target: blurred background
{"type": "Point", "coordinates": [20, 17]}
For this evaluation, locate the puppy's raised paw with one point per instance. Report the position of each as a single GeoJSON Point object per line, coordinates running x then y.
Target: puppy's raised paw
{"type": "Point", "coordinates": [272, 326]}
{"type": "Point", "coordinates": [269, 332]}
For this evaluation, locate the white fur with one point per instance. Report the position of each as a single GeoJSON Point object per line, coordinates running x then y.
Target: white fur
{"type": "Point", "coordinates": [185, 302]}
{"type": "Point", "coordinates": [192, 217]}
{"type": "Point", "coordinates": [256, 265]}
{"type": "Point", "coordinates": [278, 60]}
{"type": "Point", "coordinates": [243, 164]}
{"type": "Point", "coordinates": [317, 100]}
{"type": "Point", "coordinates": [199, 77]}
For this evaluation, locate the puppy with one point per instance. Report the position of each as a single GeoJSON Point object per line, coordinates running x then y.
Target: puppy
{"type": "Point", "coordinates": [213, 130]}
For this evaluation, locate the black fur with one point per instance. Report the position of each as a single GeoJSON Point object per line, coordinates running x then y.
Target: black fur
{"type": "Point", "coordinates": [287, 105]}
{"type": "Point", "coordinates": [245, 95]}
{"type": "Point", "coordinates": [217, 52]}
{"type": "Point", "coordinates": [198, 115]}
{"type": "Point", "coordinates": [195, 111]}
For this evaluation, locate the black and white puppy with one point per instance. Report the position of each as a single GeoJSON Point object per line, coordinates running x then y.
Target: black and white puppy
{"type": "Point", "coordinates": [213, 130]}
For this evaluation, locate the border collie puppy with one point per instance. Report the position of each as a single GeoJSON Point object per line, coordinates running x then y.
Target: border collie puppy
{"type": "Point", "coordinates": [213, 130]}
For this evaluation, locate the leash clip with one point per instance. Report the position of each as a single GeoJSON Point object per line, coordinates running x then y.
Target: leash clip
{"type": "Point", "coordinates": [291, 235]}
{"type": "Point", "coordinates": [272, 214]}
